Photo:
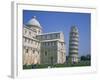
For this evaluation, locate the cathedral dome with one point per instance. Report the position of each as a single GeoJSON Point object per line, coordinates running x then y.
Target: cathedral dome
{"type": "Point", "coordinates": [33, 22]}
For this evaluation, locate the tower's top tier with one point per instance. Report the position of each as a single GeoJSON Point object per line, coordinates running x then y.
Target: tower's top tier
{"type": "Point", "coordinates": [74, 29]}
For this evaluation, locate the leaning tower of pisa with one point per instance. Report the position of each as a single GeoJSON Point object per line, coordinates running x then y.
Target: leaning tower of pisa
{"type": "Point", "coordinates": [73, 45]}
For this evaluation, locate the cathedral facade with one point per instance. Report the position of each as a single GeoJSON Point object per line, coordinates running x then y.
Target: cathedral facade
{"type": "Point", "coordinates": [42, 48]}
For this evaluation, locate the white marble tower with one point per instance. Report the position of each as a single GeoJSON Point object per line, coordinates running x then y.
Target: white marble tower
{"type": "Point", "coordinates": [73, 45]}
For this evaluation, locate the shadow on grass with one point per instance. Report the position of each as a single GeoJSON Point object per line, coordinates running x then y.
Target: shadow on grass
{"type": "Point", "coordinates": [39, 66]}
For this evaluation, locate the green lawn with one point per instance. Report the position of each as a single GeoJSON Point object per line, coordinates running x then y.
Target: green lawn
{"type": "Point", "coordinates": [37, 66]}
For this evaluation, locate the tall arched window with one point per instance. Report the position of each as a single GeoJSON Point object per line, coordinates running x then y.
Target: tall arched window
{"type": "Point", "coordinates": [45, 53]}
{"type": "Point", "coordinates": [26, 50]}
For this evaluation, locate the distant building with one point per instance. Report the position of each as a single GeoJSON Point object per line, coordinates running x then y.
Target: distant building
{"type": "Point", "coordinates": [73, 45]}
{"type": "Point", "coordinates": [42, 48]}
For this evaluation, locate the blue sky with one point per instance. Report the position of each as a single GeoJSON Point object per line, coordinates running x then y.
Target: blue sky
{"type": "Point", "coordinates": [62, 21]}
